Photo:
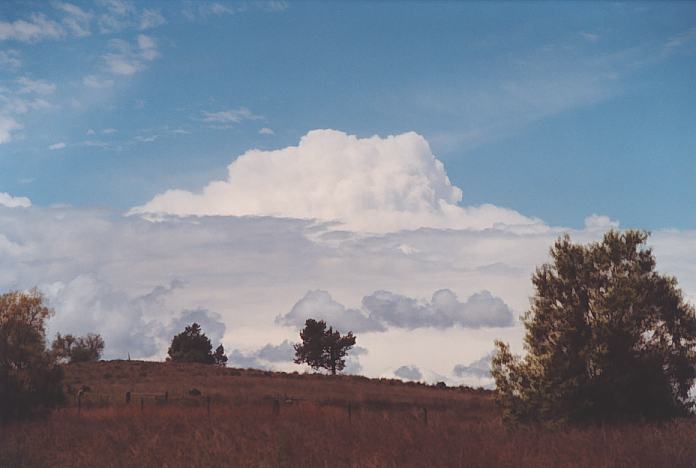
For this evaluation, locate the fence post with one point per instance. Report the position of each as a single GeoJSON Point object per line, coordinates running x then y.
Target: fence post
{"type": "Point", "coordinates": [425, 415]}
{"type": "Point", "coordinates": [276, 407]}
{"type": "Point", "coordinates": [142, 404]}
{"type": "Point", "coordinates": [79, 402]}
{"type": "Point", "coordinates": [128, 398]}
{"type": "Point", "coordinates": [166, 396]}
{"type": "Point", "coordinates": [207, 401]}
{"type": "Point", "coordinates": [350, 413]}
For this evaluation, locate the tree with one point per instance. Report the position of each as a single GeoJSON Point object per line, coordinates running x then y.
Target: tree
{"type": "Point", "coordinates": [322, 348]}
{"type": "Point", "coordinates": [219, 356]}
{"type": "Point", "coordinates": [78, 349]}
{"type": "Point", "coordinates": [30, 380]}
{"type": "Point", "coordinates": [191, 345]}
{"type": "Point", "coordinates": [607, 338]}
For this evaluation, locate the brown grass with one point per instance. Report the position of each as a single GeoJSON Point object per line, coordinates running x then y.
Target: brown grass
{"type": "Point", "coordinates": [386, 426]}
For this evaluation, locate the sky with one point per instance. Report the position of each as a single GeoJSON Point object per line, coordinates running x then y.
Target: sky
{"type": "Point", "coordinates": [398, 169]}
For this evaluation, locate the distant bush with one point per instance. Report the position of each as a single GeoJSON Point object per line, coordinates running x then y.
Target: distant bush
{"type": "Point", "coordinates": [30, 380]}
{"type": "Point", "coordinates": [608, 338]}
{"type": "Point", "coordinates": [78, 349]}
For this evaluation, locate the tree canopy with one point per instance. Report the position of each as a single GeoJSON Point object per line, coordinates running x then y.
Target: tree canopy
{"type": "Point", "coordinates": [68, 348]}
{"type": "Point", "coordinates": [607, 338]}
{"type": "Point", "coordinates": [30, 380]}
{"type": "Point", "coordinates": [191, 345]}
{"type": "Point", "coordinates": [322, 348]}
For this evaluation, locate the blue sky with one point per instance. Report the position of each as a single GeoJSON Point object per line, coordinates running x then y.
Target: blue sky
{"type": "Point", "coordinates": [555, 110]}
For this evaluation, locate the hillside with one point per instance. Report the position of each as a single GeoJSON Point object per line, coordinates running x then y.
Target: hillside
{"type": "Point", "coordinates": [257, 418]}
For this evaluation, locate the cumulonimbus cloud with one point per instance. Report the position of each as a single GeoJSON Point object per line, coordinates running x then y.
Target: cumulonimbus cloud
{"type": "Point", "coordinates": [369, 184]}
{"type": "Point", "coordinates": [383, 309]}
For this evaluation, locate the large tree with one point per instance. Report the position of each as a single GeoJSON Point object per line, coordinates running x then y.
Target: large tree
{"type": "Point", "coordinates": [607, 338]}
{"type": "Point", "coordinates": [191, 345]}
{"type": "Point", "coordinates": [323, 348]}
{"type": "Point", "coordinates": [30, 380]}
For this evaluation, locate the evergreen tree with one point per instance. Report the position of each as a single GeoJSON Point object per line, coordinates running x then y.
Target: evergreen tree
{"type": "Point", "coordinates": [191, 345]}
{"type": "Point", "coordinates": [322, 348]}
{"type": "Point", "coordinates": [219, 356]}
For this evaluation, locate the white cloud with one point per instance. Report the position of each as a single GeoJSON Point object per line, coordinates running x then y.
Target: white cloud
{"type": "Point", "coordinates": [146, 138]}
{"type": "Point", "coordinates": [119, 15]}
{"type": "Point", "coordinates": [679, 41]}
{"type": "Point", "coordinates": [10, 59]}
{"type": "Point", "coordinates": [266, 357]}
{"type": "Point", "coordinates": [57, 146]}
{"type": "Point", "coordinates": [119, 275]}
{"type": "Point", "coordinates": [37, 28]}
{"type": "Point", "coordinates": [202, 9]}
{"type": "Point", "coordinates": [320, 305]}
{"type": "Point", "coordinates": [76, 20]}
{"type": "Point", "coordinates": [93, 81]}
{"type": "Point", "coordinates": [126, 60]}
{"type": "Point", "coordinates": [17, 105]}
{"type": "Point", "coordinates": [602, 223]}
{"type": "Point", "coordinates": [151, 19]}
{"type": "Point", "coordinates": [9, 201]}
{"type": "Point", "coordinates": [382, 310]}
{"type": "Point", "coordinates": [590, 37]}
{"type": "Point", "coordinates": [266, 131]}
{"type": "Point", "coordinates": [231, 116]}
{"type": "Point", "coordinates": [29, 86]}
{"type": "Point", "coordinates": [210, 322]}
{"type": "Point", "coordinates": [8, 126]}
{"type": "Point", "coordinates": [109, 131]}
{"type": "Point", "coordinates": [444, 310]}
{"type": "Point", "coordinates": [368, 184]}
{"type": "Point", "coordinates": [148, 47]}
{"type": "Point", "coordinates": [122, 62]}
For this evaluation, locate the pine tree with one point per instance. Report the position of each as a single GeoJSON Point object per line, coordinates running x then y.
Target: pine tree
{"type": "Point", "coordinates": [191, 345]}
{"type": "Point", "coordinates": [322, 348]}
{"type": "Point", "coordinates": [219, 356]}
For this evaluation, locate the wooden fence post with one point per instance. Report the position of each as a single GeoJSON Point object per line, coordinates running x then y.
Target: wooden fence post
{"type": "Point", "coordinates": [79, 402]}
{"type": "Point", "coordinates": [276, 407]}
{"type": "Point", "coordinates": [128, 398]}
{"type": "Point", "coordinates": [425, 415]}
{"type": "Point", "coordinates": [142, 404]}
{"type": "Point", "coordinates": [207, 401]}
{"type": "Point", "coordinates": [350, 413]}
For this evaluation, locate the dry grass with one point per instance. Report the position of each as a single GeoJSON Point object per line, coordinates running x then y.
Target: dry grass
{"type": "Point", "coordinates": [386, 426]}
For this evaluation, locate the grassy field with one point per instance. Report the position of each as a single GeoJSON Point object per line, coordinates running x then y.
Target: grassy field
{"type": "Point", "coordinates": [255, 418]}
